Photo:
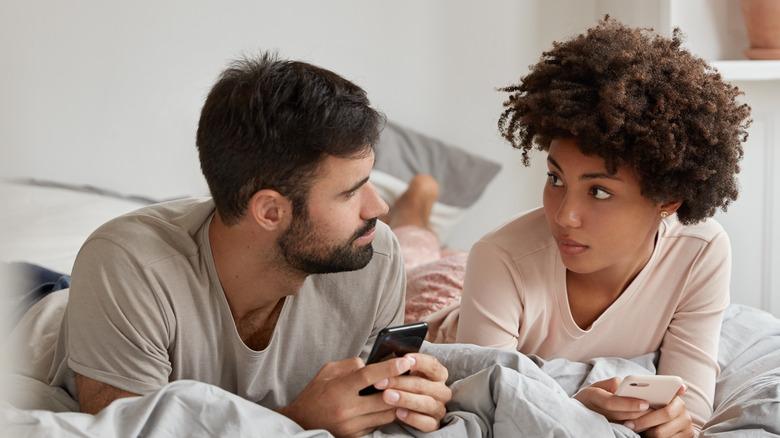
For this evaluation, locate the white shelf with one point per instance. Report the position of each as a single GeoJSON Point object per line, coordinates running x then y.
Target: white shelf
{"type": "Point", "coordinates": [748, 70]}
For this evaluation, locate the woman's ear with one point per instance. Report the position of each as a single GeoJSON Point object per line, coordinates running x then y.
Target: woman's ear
{"type": "Point", "coordinates": [269, 209]}
{"type": "Point", "coordinates": [669, 207]}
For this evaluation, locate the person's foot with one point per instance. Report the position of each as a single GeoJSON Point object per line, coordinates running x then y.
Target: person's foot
{"type": "Point", "coordinates": [414, 206]}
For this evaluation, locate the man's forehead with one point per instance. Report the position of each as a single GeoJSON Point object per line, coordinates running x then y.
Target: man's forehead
{"type": "Point", "coordinates": [345, 170]}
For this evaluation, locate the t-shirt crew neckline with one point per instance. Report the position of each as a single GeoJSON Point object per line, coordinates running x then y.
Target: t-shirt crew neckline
{"type": "Point", "coordinates": [571, 327]}
{"type": "Point", "coordinates": [216, 288]}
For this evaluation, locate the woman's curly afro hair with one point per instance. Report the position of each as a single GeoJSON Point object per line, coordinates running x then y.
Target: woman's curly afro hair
{"type": "Point", "coordinates": [636, 99]}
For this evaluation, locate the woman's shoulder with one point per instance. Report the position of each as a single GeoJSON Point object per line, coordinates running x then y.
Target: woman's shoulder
{"type": "Point", "coordinates": [524, 233]}
{"type": "Point", "coordinates": [706, 230]}
{"type": "Point", "coordinates": [702, 241]}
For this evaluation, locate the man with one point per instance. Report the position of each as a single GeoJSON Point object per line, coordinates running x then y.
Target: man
{"type": "Point", "coordinates": [271, 288]}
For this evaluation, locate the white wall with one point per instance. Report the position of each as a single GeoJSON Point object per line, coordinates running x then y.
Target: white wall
{"type": "Point", "coordinates": [108, 93]}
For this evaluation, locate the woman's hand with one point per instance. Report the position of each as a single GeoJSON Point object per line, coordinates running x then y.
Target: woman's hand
{"type": "Point", "coordinates": [672, 420]}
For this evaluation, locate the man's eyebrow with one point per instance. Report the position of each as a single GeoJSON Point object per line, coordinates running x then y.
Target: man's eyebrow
{"type": "Point", "coordinates": [355, 187]}
{"type": "Point", "coordinates": [595, 175]}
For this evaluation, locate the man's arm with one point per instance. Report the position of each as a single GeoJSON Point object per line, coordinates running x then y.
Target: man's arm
{"type": "Point", "coordinates": [94, 395]}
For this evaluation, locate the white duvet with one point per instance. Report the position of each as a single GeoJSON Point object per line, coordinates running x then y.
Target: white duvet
{"type": "Point", "coordinates": [495, 393]}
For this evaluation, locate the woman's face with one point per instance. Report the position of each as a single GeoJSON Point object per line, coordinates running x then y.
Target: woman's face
{"type": "Point", "coordinates": [601, 222]}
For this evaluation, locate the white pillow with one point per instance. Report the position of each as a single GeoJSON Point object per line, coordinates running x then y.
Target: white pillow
{"type": "Point", "coordinates": [46, 224]}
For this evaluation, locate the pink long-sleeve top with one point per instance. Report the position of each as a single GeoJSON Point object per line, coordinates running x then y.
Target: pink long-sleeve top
{"type": "Point", "coordinates": [514, 296]}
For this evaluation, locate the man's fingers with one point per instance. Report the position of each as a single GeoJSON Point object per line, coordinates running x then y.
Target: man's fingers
{"type": "Point", "coordinates": [380, 373]}
{"type": "Point", "coordinates": [437, 391]}
{"type": "Point", "coordinates": [332, 370]}
{"type": "Point", "coordinates": [418, 410]}
{"type": "Point", "coordinates": [428, 366]}
{"type": "Point", "coordinates": [419, 421]}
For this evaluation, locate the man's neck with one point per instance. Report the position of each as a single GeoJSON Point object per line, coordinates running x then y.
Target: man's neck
{"type": "Point", "coordinates": [249, 271]}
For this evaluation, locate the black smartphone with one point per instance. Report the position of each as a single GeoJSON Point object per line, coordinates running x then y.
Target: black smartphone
{"type": "Point", "coordinates": [395, 342]}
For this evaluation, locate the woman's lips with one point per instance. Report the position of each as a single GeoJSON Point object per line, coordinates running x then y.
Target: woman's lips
{"type": "Point", "coordinates": [571, 247]}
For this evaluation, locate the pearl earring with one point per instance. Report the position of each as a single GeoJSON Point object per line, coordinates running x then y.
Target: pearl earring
{"type": "Point", "coordinates": [664, 213]}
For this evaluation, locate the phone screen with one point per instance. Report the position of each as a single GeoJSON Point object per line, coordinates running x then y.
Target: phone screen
{"type": "Point", "coordinates": [395, 342]}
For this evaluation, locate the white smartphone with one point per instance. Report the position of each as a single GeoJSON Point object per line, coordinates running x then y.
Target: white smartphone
{"type": "Point", "coordinates": [658, 391]}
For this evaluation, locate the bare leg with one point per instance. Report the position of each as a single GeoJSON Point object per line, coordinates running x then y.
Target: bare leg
{"type": "Point", "coordinates": [414, 206]}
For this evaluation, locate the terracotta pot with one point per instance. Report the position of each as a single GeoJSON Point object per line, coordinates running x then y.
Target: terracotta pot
{"type": "Point", "coordinates": [762, 19]}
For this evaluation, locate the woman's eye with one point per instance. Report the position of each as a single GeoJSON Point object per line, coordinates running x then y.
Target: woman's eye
{"type": "Point", "coordinates": [600, 193]}
{"type": "Point", "coordinates": [554, 180]}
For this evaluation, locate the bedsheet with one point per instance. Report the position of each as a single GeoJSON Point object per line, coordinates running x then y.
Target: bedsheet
{"type": "Point", "coordinates": [495, 393]}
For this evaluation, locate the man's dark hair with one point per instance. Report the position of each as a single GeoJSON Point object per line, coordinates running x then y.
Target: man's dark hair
{"type": "Point", "coordinates": [635, 98]}
{"type": "Point", "coordinates": [268, 123]}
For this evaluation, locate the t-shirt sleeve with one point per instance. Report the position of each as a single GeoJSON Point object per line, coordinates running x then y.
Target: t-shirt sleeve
{"type": "Point", "coordinates": [395, 290]}
{"type": "Point", "coordinates": [118, 326]}
{"type": "Point", "coordinates": [391, 285]}
{"type": "Point", "coordinates": [690, 345]}
{"type": "Point", "coordinates": [491, 305]}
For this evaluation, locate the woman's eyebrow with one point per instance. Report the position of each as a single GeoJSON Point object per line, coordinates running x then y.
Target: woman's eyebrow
{"type": "Point", "coordinates": [598, 175]}
{"type": "Point", "coordinates": [554, 163]}
{"type": "Point", "coordinates": [595, 175]}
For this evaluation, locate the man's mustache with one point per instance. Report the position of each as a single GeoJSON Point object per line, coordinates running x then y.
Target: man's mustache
{"type": "Point", "coordinates": [370, 224]}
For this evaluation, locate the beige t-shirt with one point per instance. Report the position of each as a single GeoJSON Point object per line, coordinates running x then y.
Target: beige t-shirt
{"type": "Point", "coordinates": [146, 308]}
{"type": "Point", "coordinates": [514, 296]}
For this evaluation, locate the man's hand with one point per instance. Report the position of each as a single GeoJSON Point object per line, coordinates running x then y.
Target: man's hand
{"type": "Point", "coordinates": [672, 420]}
{"type": "Point", "coordinates": [331, 400]}
{"type": "Point", "coordinates": [421, 396]}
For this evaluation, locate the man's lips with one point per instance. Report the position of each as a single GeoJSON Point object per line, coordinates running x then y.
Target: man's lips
{"type": "Point", "coordinates": [367, 237]}
{"type": "Point", "coordinates": [570, 247]}
{"type": "Point", "coordinates": [366, 234]}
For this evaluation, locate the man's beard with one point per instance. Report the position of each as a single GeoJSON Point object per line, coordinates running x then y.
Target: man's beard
{"type": "Point", "coordinates": [303, 250]}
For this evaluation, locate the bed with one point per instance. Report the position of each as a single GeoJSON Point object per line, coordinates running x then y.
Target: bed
{"type": "Point", "coordinates": [495, 392]}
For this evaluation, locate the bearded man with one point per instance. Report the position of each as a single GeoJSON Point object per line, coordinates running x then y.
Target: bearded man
{"type": "Point", "coordinates": [276, 286]}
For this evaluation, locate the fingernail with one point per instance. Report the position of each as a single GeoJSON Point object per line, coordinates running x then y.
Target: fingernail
{"type": "Point", "coordinates": [402, 413]}
{"type": "Point", "coordinates": [405, 365]}
{"type": "Point", "coordinates": [391, 396]}
{"type": "Point", "coordinates": [382, 384]}
{"type": "Point", "coordinates": [629, 425]}
{"type": "Point", "coordinates": [412, 360]}
{"type": "Point", "coordinates": [643, 406]}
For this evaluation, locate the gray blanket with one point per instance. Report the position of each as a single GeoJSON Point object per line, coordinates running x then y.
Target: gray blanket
{"type": "Point", "coordinates": [495, 393]}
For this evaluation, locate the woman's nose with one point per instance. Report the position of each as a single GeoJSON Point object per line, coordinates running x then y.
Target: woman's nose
{"type": "Point", "coordinates": [568, 214]}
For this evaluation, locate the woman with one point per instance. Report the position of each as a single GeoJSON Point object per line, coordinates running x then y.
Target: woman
{"type": "Point", "coordinates": [643, 142]}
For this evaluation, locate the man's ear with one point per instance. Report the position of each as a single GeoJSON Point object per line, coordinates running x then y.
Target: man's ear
{"type": "Point", "coordinates": [269, 209]}
{"type": "Point", "coordinates": [670, 207]}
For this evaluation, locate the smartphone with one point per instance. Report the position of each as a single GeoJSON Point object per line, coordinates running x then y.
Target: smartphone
{"type": "Point", "coordinates": [658, 391]}
{"type": "Point", "coordinates": [395, 342]}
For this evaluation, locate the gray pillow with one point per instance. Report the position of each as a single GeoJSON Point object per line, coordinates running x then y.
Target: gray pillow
{"type": "Point", "coordinates": [402, 153]}
{"type": "Point", "coordinates": [462, 176]}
